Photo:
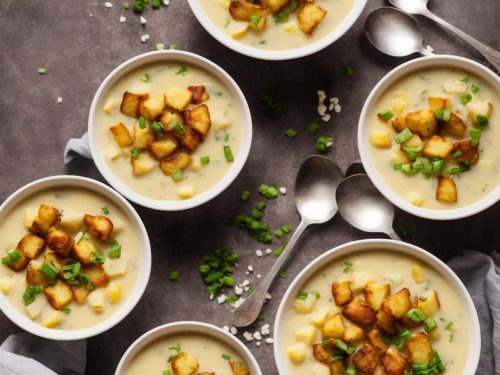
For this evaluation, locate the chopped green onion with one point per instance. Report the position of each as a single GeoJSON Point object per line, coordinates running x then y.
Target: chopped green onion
{"type": "Point", "coordinates": [157, 127]}
{"type": "Point", "coordinates": [160, 46]}
{"type": "Point", "coordinates": [429, 325]}
{"type": "Point", "coordinates": [456, 154]}
{"type": "Point", "coordinates": [228, 154]}
{"type": "Point", "coordinates": [344, 347]}
{"type": "Point", "coordinates": [146, 78]}
{"type": "Point", "coordinates": [316, 293]}
{"type": "Point", "coordinates": [291, 133]}
{"type": "Point", "coordinates": [407, 169]}
{"type": "Point", "coordinates": [287, 229]}
{"type": "Point", "coordinates": [126, 6]}
{"type": "Point", "coordinates": [50, 270]}
{"type": "Point", "coordinates": [42, 71]}
{"type": "Point", "coordinates": [179, 128]}
{"type": "Point", "coordinates": [135, 152]}
{"type": "Point", "coordinates": [167, 372]}
{"type": "Point", "coordinates": [12, 257]}
{"type": "Point", "coordinates": [254, 20]}
{"type": "Point", "coordinates": [416, 315]}
{"type": "Point", "coordinates": [385, 115]}
{"type": "Point", "coordinates": [475, 133]}
{"type": "Point", "coordinates": [257, 214]}
{"type": "Point", "coordinates": [313, 128]}
{"type": "Point", "coordinates": [302, 296]}
{"type": "Point", "coordinates": [347, 266]}
{"type": "Point", "coordinates": [283, 274]}
{"type": "Point", "coordinates": [174, 275]}
{"type": "Point", "coordinates": [397, 166]}
{"type": "Point", "coordinates": [281, 16]}
{"type": "Point", "coordinates": [474, 89]}
{"type": "Point", "coordinates": [177, 175]}
{"type": "Point", "coordinates": [482, 120]}
{"type": "Point", "coordinates": [66, 310]}
{"type": "Point", "coordinates": [261, 318]}
{"type": "Point", "coordinates": [403, 136]}
{"type": "Point", "coordinates": [427, 170]}
{"type": "Point", "coordinates": [455, 170]}
{"type": "Point", "coordinates": [227, 357]}
{"type": "Point", "coordinates": [97, 257]}
{"type": "Point", "coordinates": [278, 233]}
{"type": "Point", "coordinates": [437, 165]}
{"type": "Point", "coordinates": [205, 159]}
{"type": "Point", "coordinates": [406, 335]}
{"type": "Point", "coordinates": [338, 356]}
{"type": "Point", "coordinates": [323, 144]}
{"type": "Point", "coordinates": [474, 142]}
{"type": "Point", "coordinates": [142, 122]}
{"type": "Point", "coordinates": [105, 210]}
{"type": "Point", "coordinates": [155, 4]}
{"type": "Point", "coordinates": [30, 292]}
{"type": "Point", "coordinates": [270, 192]}
{"type": "Point", "coordinates": [172, 47]}
{"type": "Point", "coordinates": [261, 205]}
{"type": "Point", "coordinates": [349, 70]}
{"type": "Point", "coordinates": [245, 196]}
{"type": "Point", "coordinates": [326, 342]}
{"type": "Point", "coordinates": [116, 250]}
{"type": "Point", "coordinates": [182, 71]}
{"type": "Point", "coordinates": [465, 98]}
{"type": "Point", "coordinates": [449, 326]}
{"type": "Point", "coordinates": [226, 137]}
{"type": "Point", "coordinates": [350, 371]}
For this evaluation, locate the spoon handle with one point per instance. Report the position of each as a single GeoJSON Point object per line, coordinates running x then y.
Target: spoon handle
{"type": "Point", "coordinates": [246, 313]}
{"type": "Point", "coordinates": [393, 235]}
{"type": "Point", "coordinates": [489, 53]}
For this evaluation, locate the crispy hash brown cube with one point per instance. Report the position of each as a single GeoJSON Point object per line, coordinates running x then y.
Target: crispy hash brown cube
{"type": "Point", "coordinates": [422, 122]}
{"type": "Point", "coordinates": [446, 190]}
{"type": "Point", "coordinates": [80, 293]}
{"type": "Point", "coordinates": [164, 147]}
{"type": "Point", "coordinates": [169, 117]}
{"type": "Point", "coordinates": [309, 16]}
{"type": "Point", "coordinates": [46, 218]}
{"type": "Point", "coordinates": [34, 275]}
{"type": "Point", "coordinates": [58, 294]}
{"type": "Point", "coordinates": [200, 94]}
{"type": "Point", "coordinates": [333, 327]}
{"type": "Point", "coordinates": [366, 358]}
{"type": "Point", "coordinates": [399, 123]}
{"type": "Point", "coordinates": [99, 226]}
{"type": "Point", "coordinates": [337, 368]}
{"type": "Point", "coordinates": [59, 242]}
{"type": "Point", "coordinates": [191, 138]}
{"type": "Point", "coordinates": [121, 135]}
{"type": "Point", "coordinates": [419, 349]}
{"type": "Point", "coordinates": [352, 332]}
{"type": "Point", "coordinates": [387, 322]}
{"type": "Point", "coordinates": [438, 147]}
{"type": "Point", "coordinates": [179, 160]}
{"type": "Point", "coordinates": [323, 353]}
{"type": "Point", "coordinates": [31, 245]}
{"type": "Point", "coordinates": [151, 108]}
{"type": "Point", "coordinates": [244, 10]}
{"type": "Point", "coordinates": [50, 257]}
{"type": "Point", "coordinates": [393, 363]}
{"type": "Point", "coordinates": [342, 292]}
{"type": "Point", "coordinates": [455, 126]}
{"type": "Point", "coordinates": [198, 118]}
{"type": "Point", "coordinates": [238, 368]}
{"type": "Point", "coordinates": [143, 164]}
{"type": "Point", "coordinates": [359, 312]}
{"type": "Point", "coordinates": [185, 364]}
{"type": "Point", "coordinates": [375, 339]}
{"type": "Point", "coordinates": [83, 250]}
{"type": "Point", "coordinates": [97, 276]}
{"type": "Point", "coordinates": [375, 293]}
{"type": "Point", "coordinates": [398, 304]}
{"type": "Point", "coordinates": [143, 137]}
{"type": "Point", "coordinates": [469, 154]}
{"type": "Point", "coordinates": [130, 103]}
{"type": "Point", "coordinates": [275, 5]}
{"type": "Point", "coordinates": [178, 98]}
{"type": "Point", "coordinates": [437, 102]}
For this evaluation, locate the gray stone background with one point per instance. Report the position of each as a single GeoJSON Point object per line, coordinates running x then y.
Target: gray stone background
{"type": "Point", "coordinates": [80, 42]}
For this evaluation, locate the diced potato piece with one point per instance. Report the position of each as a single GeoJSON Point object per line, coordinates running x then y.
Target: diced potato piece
{"type": "Point", "coordinates": [275, 5]}
{"type": "Point", "coordinates": [439, 103]}
{"type": "Point", "coordinates": [298, 353]}
{"type": "Point", "coordinates": [375, 339]}
{"type": "Point", "coordinates": [366, 358]}
{"type": "Point", "coordinates": [419, 349]}
{"type": "Point", "coordinates": [51, 257]}
{"type": "Point", "coordinates": [321, 369]}
{"type": "Point", "coordinates": [291, 27]}
{"type": "Point", "coordinates": [237, 368]}
{"type": "Point", "coordinates": [342, 292]}
{"type": "Point", "coordinates": [430, 305]}
{"type": "Point", "coordinates": [438, 147]}
{"type": "Point", "coordinates": [469, 153]}
{"type": "Point", "coordinates": [143, 164]}
{"type": "Point", "coordinates": [164, 147]}
{"type": "Point", "coordinates": [130, 103]}
{"type": "Point", "coordinates": [96, 300]}
{"type": "Point", "coordinates": [307, 334]}
{"type": "Point", "coordinates": [352, 332]}
{"type": "Point", "coordinates": [394, 278]}
{"type": "Point", "coordinates": [244, 10]}
{"type": "Point", "coordinates": [29, 217]}
{"type": "Point", "coordinates": [178, 98]}
{"type": "Point", "coordinates": [375, 293]}
{"type": "Point", "coordinates": [236, 29]}
{"type": "Point", "coordinates": [455, 87]}
{"type": "Point", "coordinates": [35, 308]}
{"type": "Point", "coordinates": [454, 127]}
{"type": "Point", "coordinates": [6, 284]}
{"type": "Point", "coordinates": [360, 279]}
{"type": "Point", "coordinates": [58, 294]}
{"type": "Point", "coordinates": [34, 276]}
{"type": "Point", "coordinates": [381, 139]}
{"type": "Point", "coordinates": [333, 327]}
{"type": "Point", "coordinates": [399, 156]}
{"type": "Point", "coordinates": [199, 94]}
{"type": "Point", "coordinates": [387, 322]}
{"type": "Point", "coordinates": [143, 137]}
{"type": "Point", "coordinates": [114, 290]}
{"type": "Point", "coordinates": [398, 304]}
{"type": "Point", "coordinates": [337, 368]}
{"type": "Point", "coordinates": [322, 353]}
{"type": "Point", "coordinates": [83, 250]}
{"type": "Point", "coordinates": [485, 165]}
{"type": "Point", "coordinates": [309, 16]}
{"type": "Point", "coordinates": [415, 198]}
{"type": "Point", "coordinates": [59, 242]}
{"type": "Point", "coordinates": [121, 135]}
{"type": "Point", "coordinates": [414, 141]}
{"type": "Point", "coordinates": [399, 123]}
{"type": "Point", "coordinates": [80, 293]}
{"type": "Point", "coordinates": [20, 263]}
{"type": "Point", "coordinates": [31, 245]}
{"type": "Point", "coordinates": [225, 4]}
{"type": "Point", "coordinates": [198, 118]}
{"type": "Point", "coordinates": [186, 191]}
{"type": "Point", "coordinates": [97, 276]}
{"type": "Point", "coordinates": [319, 315]}
{"type": "Point", "coordinates": [179, 160]}
{"type": "Point", "coordinates": [46, 218]}
{"type": "Point", "coordinates": [71, 220]}
{"type": "Point", "coordinates": [53, 319]}
{"type": "Point", "coordinates": [185, 364]}
{"type": "Point", "coordinates": [393, 363]}
{"type": "Point", "coordinates": [196, 165]}
{"type": "Point", "coordinates": [359, 312]}
{"type": "Point", "coordinates": [305, 306]}
{"type": "Point", "coordinates": [169, 117]}
{"type": "Point", "coordinates": [400, 103]}
{"type": "Point", "coordinates": [99, 226]}
{"type": "Point", "coordinates": [422, 122]}
{"type": "Point", "coordinates": [109, 106]}
{"type": "Point", "coordinates": [476, 108]}
{"type": "Point", "coordinates": [116, 267]}
{"type": "Point", "coordinates": [417, 273]}
{"type": "Point", "coordinates": [152, 107]}
{"type": "Point", "coordinates": [191, 138]}
{"type": "Point", "coordinates": [446, 190]}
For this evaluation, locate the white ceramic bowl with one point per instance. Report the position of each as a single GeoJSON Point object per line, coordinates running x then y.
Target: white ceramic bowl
{"type": "Point", "coordinates": [446, 61]}
{"type": "Point", "coordinates": [470, 318]}
{"type": "Point", "coordinates": [188, 327]}
{"type": "Point", "coordinates": [289, 54]}
{"type": "Point", "coordinates": [144, 265]}
{"type": "Point", "coordinates": [245, 121]}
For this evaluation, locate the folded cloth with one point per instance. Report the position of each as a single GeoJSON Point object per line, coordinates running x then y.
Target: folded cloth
{"type": "Point", "coordinates": [23, 353]}
{"type": "Point", "coordinates": [80, 146]}
{"type": "Point", "coordinates": [480, 274]}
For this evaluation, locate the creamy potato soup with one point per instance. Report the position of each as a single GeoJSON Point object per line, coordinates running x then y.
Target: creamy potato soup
{"type": "Point", "coordinates": [277, 24]}
{"type": "Point", "coordinates": [169, 131]}
{"type": "Point", "coordinates": [375, 312]}
{"type": "Point", "coordinates": [187, 354]}
{"type": "Point", "coordinates": [71, 259]}
{"type": "Point", "coordinates": [435, 138]}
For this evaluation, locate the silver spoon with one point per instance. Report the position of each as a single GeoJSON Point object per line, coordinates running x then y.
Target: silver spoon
{"type": "Point", "coordinates": [362, 206]}
{"type": "Point", "coordinates": [420, 7]}
{"type": "Point", "coordinates": [394, 32]}
{"type": "Point", "coordinates": [315, 187]}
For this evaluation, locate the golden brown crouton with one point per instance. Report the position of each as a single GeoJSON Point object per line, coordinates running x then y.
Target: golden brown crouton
{"type": "Point", "coordinates": [198, 118]}
{"type": "Point", "coordinates": [80, 293]}
{"type": "Point", "coordinates": [58, 294]}
{"type": "Point", "coordinates": [50, 257]}
{"type": "Point", "coordinates": [191, 138]}
{"type": "Point", "coordinates": [169, 117]}
{"type": "Point", "coordinates": [399, 123]}
{"type": "Point", "coordinates": [59, 242]}
{"type": "Point", "coordinates": [185, 364]}
{"type": "Point", "coordinates": [21, 262]}
{"type": "Point", "coordinates": [375, 339]}
{"type": "Point", "coordinates": [151, 108]}
{"type": "Point", "coordinates": [179, 160]}
{"type": "Point", "coordinates": [309, 16]}
{"type": "Point", "coordinates": [393, 363]}
{"type": "Point", "coordinates": [446, 190]}
{"type": "Point", "coordinates": [469, 153]}
{"type": "Point", "coordinates": [143, 164]}
{"type": "Point", "coordinates": [419, 349]}
{"type": "Point", "coordinates": [438, 147]}
{"type": "Point", "coordinates": [454, 127]}
{"type": "Point", "coordinates": [178, 98]}
{"type": "Point", "coordinates": [398, 304]}
{"type": "Point", "coordinates": [130, 103]}
{"type": "Point", "coordinates": [337, 368]}
{"type": "Point", "coordinates": [422, 122]}
{"type": "Point", "coordinates": [121, 135]}
{"type": "Point", "coordinates": [244, 10]}
{"type": "Point", "coordinates": [438, 103]}
{"type": "Point", "coordinates": [238, 368]}
{"type": "Point", "coordinates": [99, 226]}
{"type": "Point", "coordinates": [323, 353]}
{"type": "Point", "coordinates": [366, 358]}
{"type": "Point", "coordinates": [387, 322]}
{"type": "Point", "coordinates": [333, 327]}
{"type": "Point", "coordinates": [164, 147]}
{"type": "Point", "coordinates": [352, 332]}
{"type": "Point", "coordinates": [200, 94]}
{"type": "Point", "coordinates": [97, 276]}
{"type": "Point", "coordinates": [46, 218]}
{"type": "Point", "coordinates": [359, 312]}
{"type": "Point", "coordinates": [31, 245]}
{"type": "Point", "coordinates": [275, 5]}
{"type": "Point", "coordinates": [34, 275]}
{"type": "Point", "coordinates": [83, 250]}
{"type": "Point", "coordinates": [143, 137]}
{"type": "Point", "coordinates": [375, 293]}
{"type": "Point", "coordinates": [430, 305]}
{"type": "Point", "coordinates": [342, 292]}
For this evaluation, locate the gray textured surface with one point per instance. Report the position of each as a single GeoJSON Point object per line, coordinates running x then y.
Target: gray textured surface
{"type": "Point", "coordinates": [80, 42]}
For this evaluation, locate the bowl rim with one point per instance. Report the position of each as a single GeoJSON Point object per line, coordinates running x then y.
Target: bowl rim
{"type": "Point", "coordinates": [287, 54]}
{"type": "Point", "coordinates": [474, 332]}
{"type": "Point", "coordinates": [192, 327]}
{"type": "Point", "coordinates": [372, 171]}
{"type": "Point", "coordinates": [245, 122]}
{"type": "Point", "coordinates": [98, 188]}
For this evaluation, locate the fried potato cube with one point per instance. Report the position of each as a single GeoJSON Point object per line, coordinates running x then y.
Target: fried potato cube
{"type": "Point", "coordinates": [34, 275]}
{"type": "Point", "coordinates": [333, 327]}
{"type": "Point", "coordinates": [307, 334]}
{"type": "Point", "coordinates": [309, 16]}
{"type": "Point", "coordinates": [305, 306]}
{"type": "Point", "coordinates": [297, 353]}
{"type": "Point", "coordinates": [439, 103]}
{"type": "Point", "coordinates": [469, 153]}
{"type": "Point", "coordinates": [398, 304]}
{"type": "Point", "coordinates": [143, 137]}
{"type": "Point", "coordinates": [422, 122]}
{"type": "Point", "coordinates": [244, 10]}
{"type": "Point", "coordinates": [53, 319]}
{"type": "Point", "coordinates": [179, 160]}
{"type": "Point", "coordinates": [50, 257]}
{"type": "Point", "coordinates": [342, 292]}
{"type": "Point", "coordinates": [164, 147]}
{"type": "Point", "coordinates": [417, 274]}
{"type": "Point", "coordinates": [393, 363]}
{"type": "Point", "coordinates": [96, 301]}
{"type": "Point", "coordinates": [322, 353]}
{"type": "Point", "coordinates": [380, 139]}
{"type": "Point", "coordinates": [200, 94]}
{"type": "Point", "coordinates": [29, 217]}
{"type": "Point", "coordinates": [352, 332]}
{"type": "Point", "coordinates": [31, 245]}
{"type": "Point", "coordinates": [419, 349]}
{"type": "Point", "coordinates": [130, 103]}
{"type": "Point", "coordinates": [58, 295]}
{"type": "Point", "coordinates": [238, 368]}
{"type": "Point", "coordinates": [375, 339]}
{"type": "Point", "coordinates": [359, 312]}
{"type": "Point", "coordinates": [414, 141]}
{"type": "Point", "coordinates": [185, 364]}
{"type": "Point", "coordinates": [337, 368]}
{"type": "Point", "coordinates": [178, 98]}
{"type": "Point", "coordinates": [70, 220]}
{"type": "Point", "coordinates": [275, 5]}
{"type": "Point", "coordinates": [366, 358]}
{"type": "Point", "coordinates": [387, 322]}
{"type": "Point", "coordinates": [191, 138]}
{"type": "Point", "coordinates": [454, 127]}
{"type": "Point", "coordinates": [97, 276]}
{"type": "Point", "coordinates": [319, 315]}
{"type": "Point", "coordinates": [115, 291]}
{"type": "Point", "coordinates": [83, 250]}
{"type": "Point", "coordinates": [399, 123]}
{"type": "Point", "coordinates": [430, 305]}
{"type": "Point", "coordinates": [19, 264]}
{"type": "Point", "coordinates": [152, 107]}
{"type": "Point", "coordinates": [35, 308]}
{"type": "Point", "coordinates": [169, 117]}
{"type": "Point", "coordinates": [143, 164]}
{"type": "Point", "coordinates": [46, 218]}
{"type": "Point", "coordinates": [375, 293]}
{"type": "Point", "coordinates": [198, 118]}
{"type": "Point", "coordinates": [99, 226]}
{"type": "Point", "coordinates": [121, 135]}
{"type": "Point", "coordinates": [438, 147]}
{"type": "Point", "coordinates": [80, 293]}
{"type": "Point", "coordinates": [446, 190]}
{"type": "Point", "coordinates": [479, 108]}
{"type": "Point", "coordinates": [59, 242]}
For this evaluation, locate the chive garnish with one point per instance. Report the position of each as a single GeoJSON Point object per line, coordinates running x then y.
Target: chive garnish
{"type": "Point", "coordinates": [12, 256]}
{"type": "Point", "coordinates": [116, 250]}
{"type": "Point", "coordinates": [174, 275]}
{"type": "Point", "coordinates": [30, 292]}
{"type": "Point", "coordinates": [205, 159]}
{"type": "Point", "coordinates": [228, 154]}
{"type": "Point", "coordinates": [313, 128]}
{"type": "Point", "coordinates": [347, 266]}
{"type": "Point", "coordinates": [416, 315]}
{"type": "Point", "coordinates": [142, 122]}
{"type": "Point", "coordinates": [182, 71]}
{"type": "Point", "coordinates": [177, 175]}
{"type": "Point", "coordinates": [283, 274]}
{"type": "Point", "coordinates": [290, 133]}
{"type": "Point", "coordinates": [135, 152]}
{"type": "Point", "coordinates": [227, 357]}
{"type": "Point", "coordinates": [385, 115]}
{"type": "Point", "coordinates": [146, 78]}
{"type": "Point", "coordinates": [429, 325]}
{"type": "Point", "coordinates": [465, 98]}
{"type": "Point", "coordinates": [245, 196]}
{"type": "Point", "coordinates": [97, 257]}
{"type": "Point", "coordinates": [482, 120]}
{"type": "Point", "coordinates": [105, 210]}
{"type": "Point", "coordinates": [403, 136]}
{"type": "Point", "coordinates": [302, 296]}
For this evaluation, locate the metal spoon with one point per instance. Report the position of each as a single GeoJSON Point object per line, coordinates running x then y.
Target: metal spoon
{"type": "Point", "coordinates": [315, 187]}
{"type": "Point", "coordinates": [420, 7]}
{"type": "Point", "coordinates": [362, 206]}
{"type": "Point", "coordinates": [394, 32]}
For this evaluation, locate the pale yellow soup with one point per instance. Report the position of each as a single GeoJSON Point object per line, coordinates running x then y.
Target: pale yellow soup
{"type": "Point", "coordinates": [471, 185]}
{"type": "Point", "coordinates": [379, 266]}
{"type": "Point", "coordinates": [73, 203]}
{"type": "Point", "coordinates": [277, 36]}
{"type": "Point", "coordinates": [208, 351]}
{"type": "Point", "coordinates": [198, 177]}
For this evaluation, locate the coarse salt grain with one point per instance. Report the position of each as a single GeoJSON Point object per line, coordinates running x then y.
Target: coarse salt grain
{"type": "Point", "coordinates": [268, 296]}
{"type": "Point", "coordinates": [166, 2]}
{"type": "Point", "coordinates": [259, 253]}
{"type": "Point", "coordinates": [257, 343]}
{"type": "Point", "coordinates": [257, 336]}
{"type": "Point", "coordinates": [321, 109]}
{"type": "Point", "coordinates": [268, 251]}
{"type": "Point", "coordinates": [259, 276]}
{"type": "Point", "coordinates": [247, 273]}
{"type": "Point", "coordinates": [108, 5]}
{"type": "Point", "coordinates": [59, 100]}
{"type": "Point", "coordinates": [250, 268]}
{"type": "Point", "coordinates": [234, 330]}
{"type": "Point", "coordinates": [221, 299]}
{"type": "Point", "coordinates": [247, 336]}
{"type": "Point", "coordinates": [334, 100]}
{"type": "Point", "coordinates": [283, 190]}
{"type": "Point", "coordinates": [269, 340]}
{"type": "Point", "coordinates": [245, 283]}
{"type": "Point", "coordinates": [326, 117]}
{"type": "Point", "coordinates": [225, 329]}
{"type": "Point", "coordinates": [237, 290]}
{"type": "Point", "coordinates": [143, 20]}
{"type": "Point", "coordinates": [144, 38]}
{"type": "Point", "coordinates": [122, 19]}
{"type": "Point", "coordinates": [337, 108]}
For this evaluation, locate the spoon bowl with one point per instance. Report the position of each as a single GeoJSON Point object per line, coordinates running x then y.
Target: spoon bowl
{"type": "Point", "coordinates": [411, 7]}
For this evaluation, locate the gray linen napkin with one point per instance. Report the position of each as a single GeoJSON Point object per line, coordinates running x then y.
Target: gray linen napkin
{"type": "Point", "coordinates": [79, 146]}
